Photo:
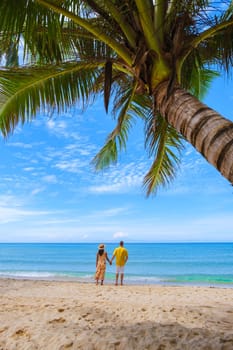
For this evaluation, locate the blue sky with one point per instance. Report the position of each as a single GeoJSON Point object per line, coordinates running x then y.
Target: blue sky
{"type": "Point", "coordinates": [49, 191]}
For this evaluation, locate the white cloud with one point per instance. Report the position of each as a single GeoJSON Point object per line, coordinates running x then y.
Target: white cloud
{"type": "Point", "coordinates": [120, 235]}
{"type": "Point", "coordinates": [122, 178]}
{"type": "Point", "coordinates": [29, 169]}
{"type": "Point", "coordinates": [20, 145]}
{"type": "Point", "coordinates": [72, 165]}
{"type": "Point", "coordinates": [8, 215]}
{"type": "Point", "coordinates": [116, 188]}
{"type": "Point", "coordinates": [109, 212]}
{"type": "Point", "coordinates": [51, 124]}
{"type": "Point", "coordinates": [52, 179]}
{"type": "Point", "coordinates": [37, 190]}
{"type": "Point", "coordinates": [10, 200]}
{"type": "Point", "coordinates": [61, 128]}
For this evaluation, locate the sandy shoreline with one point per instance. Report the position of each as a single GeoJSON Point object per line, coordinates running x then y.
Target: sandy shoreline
{"type": "Point", "coordinates": [69, 315]}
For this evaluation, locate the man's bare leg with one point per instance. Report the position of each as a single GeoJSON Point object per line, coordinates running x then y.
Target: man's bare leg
{"type": "Point", "coordinates": [122, 277]}
{"type": "Point", "coordinates": [117, 275]}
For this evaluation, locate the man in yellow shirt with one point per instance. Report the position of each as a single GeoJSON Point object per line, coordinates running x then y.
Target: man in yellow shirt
{"type": "Point", "coordinates": [121, 255]}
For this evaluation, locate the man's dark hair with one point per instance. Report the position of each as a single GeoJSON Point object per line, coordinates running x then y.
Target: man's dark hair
{"type": "Point", "coordinates": [121, 243]}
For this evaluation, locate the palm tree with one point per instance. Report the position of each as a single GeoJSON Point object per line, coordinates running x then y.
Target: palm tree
{"type": "Point", "coordinates": [152, 59]}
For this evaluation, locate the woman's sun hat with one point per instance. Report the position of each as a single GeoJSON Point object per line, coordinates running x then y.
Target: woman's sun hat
{"type": "Point", "coordinates": [101, 246]}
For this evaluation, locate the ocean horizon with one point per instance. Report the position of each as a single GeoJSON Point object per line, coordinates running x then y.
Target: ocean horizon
{"type": "Point", "coordinates": [197, 263]}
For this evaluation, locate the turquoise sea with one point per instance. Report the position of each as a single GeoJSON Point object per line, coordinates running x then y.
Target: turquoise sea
{"type": "Point", "coordinates": [149, 263]}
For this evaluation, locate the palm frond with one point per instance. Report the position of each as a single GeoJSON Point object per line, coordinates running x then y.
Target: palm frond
{"type": "Point", "coordinates": [201, 80]}
{"type": "Point", "coordinates": [118, 137]}
{"type": "Point", "coordinates": [221, 49]}
{"type": "Point", "coordinates": [46, 37]}
{"type": "Point", "coordinates": [12, 55]}
{"type": "Point", "coordinates": [211, 34]}
{"type": "Point", "coordinates": [122, 86]}
{"type": "Point", "coordinates": [196, 76]}
{"type": "Point", "coordinates": [164, 144]}
{"type": "Point", "coordinates": [24, 91]}
{"type": "Point", "coordinates": [28, 20]}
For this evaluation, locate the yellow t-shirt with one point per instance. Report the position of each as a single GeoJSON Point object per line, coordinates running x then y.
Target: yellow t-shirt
{"type": "Point", "coordinates": [121, 255]}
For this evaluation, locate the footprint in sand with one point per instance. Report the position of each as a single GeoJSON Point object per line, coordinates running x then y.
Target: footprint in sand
{"type": "Point", "coordinates": [3, 330]}
{"type": "Point", "coordinates": [58, 320]}
{"type": "Point", "coordinates": [21, 333]}
{"type": "Point", "coordinates": [67, 346]}
{"type": "Point", "coordinates": [60, 310]}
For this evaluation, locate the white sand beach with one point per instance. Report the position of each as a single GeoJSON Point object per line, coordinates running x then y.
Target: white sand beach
{"type": "Point", "coordinates": [58, 315]}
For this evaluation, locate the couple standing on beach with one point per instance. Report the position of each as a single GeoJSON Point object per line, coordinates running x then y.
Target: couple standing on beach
{"type": "Point", "coordinates": [121, 255]}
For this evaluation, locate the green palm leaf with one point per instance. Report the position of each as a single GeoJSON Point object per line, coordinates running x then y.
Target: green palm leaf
{"type": "Point", "coordinates": [24, 91]}
{"type": "Point", "coordinates": [196, 76]}
{"type": "Point", "coordinates": [118, 137]}
{"type": "Point", "coordinates": [164, 145]}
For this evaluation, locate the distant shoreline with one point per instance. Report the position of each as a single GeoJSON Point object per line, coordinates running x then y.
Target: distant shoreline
{"type": "Point", "coordinates": [110, 283]}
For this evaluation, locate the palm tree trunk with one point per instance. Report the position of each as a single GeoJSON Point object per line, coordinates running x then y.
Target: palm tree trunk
{"type": "Point", "coordinates": [209, 132]}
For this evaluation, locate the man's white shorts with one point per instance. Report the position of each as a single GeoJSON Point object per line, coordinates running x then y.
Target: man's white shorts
{"type": "Point", "coordinates": [120, 269]}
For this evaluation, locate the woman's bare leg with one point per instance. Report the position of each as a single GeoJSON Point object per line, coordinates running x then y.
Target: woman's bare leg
{"type": "Point", "coordinates": [117, 275]}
